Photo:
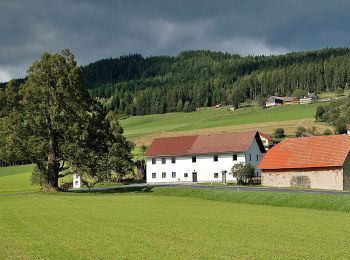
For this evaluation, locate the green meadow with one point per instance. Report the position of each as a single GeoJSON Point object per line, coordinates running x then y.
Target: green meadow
{"type": "Point", "coordinates": [138, 126]}
{"type": "Point", "coordinates": [16, 179]}
{"type": "Point", "coordinates": [169, 223]}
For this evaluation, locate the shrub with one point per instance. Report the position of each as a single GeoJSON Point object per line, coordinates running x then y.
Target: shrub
{"type": "Point", "coordinates": [300, 130]}
{"type": "Point", "coordinates": [341, 128]}
{"type": "Point", "coordinates": [327, 132]}
{"type": "Point", "coordinates": [319, 116]}
{"type": "Point", "coordinates": [279, 133]}
{"type": "Point", "coordinates": [243, 173]}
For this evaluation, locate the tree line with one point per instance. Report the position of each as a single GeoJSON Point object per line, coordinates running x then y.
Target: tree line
{"type": "Point", "coordinates": [134, 85]}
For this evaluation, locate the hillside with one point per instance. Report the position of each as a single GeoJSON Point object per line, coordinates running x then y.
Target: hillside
{"type": "Point", "coordinates": [142, 129]}
{"type": "Point", "coordinates": [134, 85]}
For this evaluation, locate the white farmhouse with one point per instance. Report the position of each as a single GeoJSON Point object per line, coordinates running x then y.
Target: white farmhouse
{"type": "Point", "coordinates": [202, 158]}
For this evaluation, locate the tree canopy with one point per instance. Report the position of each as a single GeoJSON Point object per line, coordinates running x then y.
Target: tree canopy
{"type": "Point", "coordinates": [52, 121]}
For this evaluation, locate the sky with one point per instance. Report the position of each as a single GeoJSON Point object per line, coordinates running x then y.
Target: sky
{"type": "Point", "coordinates": [96, 29]}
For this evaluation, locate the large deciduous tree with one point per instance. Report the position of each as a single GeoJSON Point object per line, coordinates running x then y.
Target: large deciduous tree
{"type": "Point", "coordinates": [52, 121]}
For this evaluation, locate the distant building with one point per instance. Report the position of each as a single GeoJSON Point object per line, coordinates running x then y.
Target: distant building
{"type": "Point", "coordinates": [202, 158]}
{"type": "Point", "coordinates": [277, 101]}
{"type": "Point", "coordinates": [320, 162]}
{"type": "Point", "coordinates": [348, 129]}
{"type": "Point", "coordinates": [267, 140]}
{"type": "Point", "coordinates": [310, 98]}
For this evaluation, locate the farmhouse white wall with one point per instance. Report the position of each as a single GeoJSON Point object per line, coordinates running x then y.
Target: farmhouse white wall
{"type": "Point", "coordinates": [205, 166]}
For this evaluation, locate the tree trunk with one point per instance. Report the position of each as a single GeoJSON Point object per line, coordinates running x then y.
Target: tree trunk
{"type": "Point", "coordinates": [51, 180]}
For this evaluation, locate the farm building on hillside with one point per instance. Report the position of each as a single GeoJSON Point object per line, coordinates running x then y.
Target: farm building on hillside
{"type": "Point", "coordinates": [320, 162]}
{"type": "Point", "coordinates": [267, 140]}
{"type": "Point", "coordinates": [276, 101]}
{"type": "Point", "coordinates": [202, 158]}
{"type": "Point", "coordinates": [310, 98]}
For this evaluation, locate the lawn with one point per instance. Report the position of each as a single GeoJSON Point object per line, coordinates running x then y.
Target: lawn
{"type": "Point", "coordinates": [170, 223]}
{"type": "Point", "coordinates": [138, 126]}
{"type": "Point", "coordinates": [147, 226]}
{"type": "Point", "coordinates": [16, 179]}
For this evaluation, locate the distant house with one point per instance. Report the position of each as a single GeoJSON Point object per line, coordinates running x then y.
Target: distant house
{"type": "Point", "coordinates": [267, 140]}
{"type": "Point", "coordinates": [202, 158]}
{"type": "Point", "coordinates": [277, 101]}
{"type": "Point", "coordinates": [310, 98]}
{"type": "Point", "coordinates": [348, 129]}
{"type": "Point", "coordinates": [321, 162]}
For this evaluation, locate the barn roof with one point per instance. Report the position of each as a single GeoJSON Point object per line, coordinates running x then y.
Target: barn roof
{"type": "Point", "coordinates": [204, 144]}
{"type": "Point", "coordinates": [307, 152]}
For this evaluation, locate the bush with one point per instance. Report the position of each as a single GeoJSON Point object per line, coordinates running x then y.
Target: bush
{"type": "Point", "coordinates": [300, 130]}
{"type": "Point", "coordinates": [243, 173]}
{"type": "Point", "coordinates": [261, 101]}
{"type": "Point", "coordinates": [279, 133]}
{"type": "Point", "coordinates": [341, 128]}
{"type": "Point", "coordinates": [37, 177]}
{"type": "Point", "coordinates": [319, 116]}
{"type": "Point", "coordinates": [327, 132]}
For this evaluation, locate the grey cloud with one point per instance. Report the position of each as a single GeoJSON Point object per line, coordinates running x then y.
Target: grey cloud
{"type": "Point", "coordinates": [98, 29]}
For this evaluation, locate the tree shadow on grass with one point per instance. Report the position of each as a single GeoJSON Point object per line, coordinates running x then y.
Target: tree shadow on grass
{"type": "Point", "coordinates": [122, 189]}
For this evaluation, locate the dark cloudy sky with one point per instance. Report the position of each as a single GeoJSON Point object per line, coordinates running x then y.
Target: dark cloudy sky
{"type": "Point", "coordinates": [99, 29]}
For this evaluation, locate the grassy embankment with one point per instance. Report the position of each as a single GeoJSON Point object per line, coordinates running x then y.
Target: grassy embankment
{"type": "Point", "coordinates": [142, 129]}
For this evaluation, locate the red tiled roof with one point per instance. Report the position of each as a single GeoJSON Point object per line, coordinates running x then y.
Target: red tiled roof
{"type": "Point", "coordinates": [202, 144]}
{"type": "Point", "coordinates": [267, 137]}
{"type": "Point", "coordinates": [307, 152]}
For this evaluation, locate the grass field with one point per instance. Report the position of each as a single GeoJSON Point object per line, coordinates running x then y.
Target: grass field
{"type": "Point", "coordinates": [16, 179]}
{"type": "Point", "coordinates": [168, 223]}
{"type": "Point", "coordinates": [149, 226]}
{"type": "Point", "coordinates": [138, 127]}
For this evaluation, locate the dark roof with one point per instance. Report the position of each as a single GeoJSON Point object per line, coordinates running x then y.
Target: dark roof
{"type": "Point", "coordinates": [307, 152]}
{"type": "Point", "coordinates": [312, 95]}
{"type": "Point", "coordinates": [204, 144]}
{"type": "Point", "coordinates": [284, 99]}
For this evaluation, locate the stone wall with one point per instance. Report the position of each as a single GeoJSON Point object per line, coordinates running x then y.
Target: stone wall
{"type": "Point", "coordinates": [318, 178]}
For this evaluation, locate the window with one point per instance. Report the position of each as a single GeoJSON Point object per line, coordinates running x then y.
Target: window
{"type": "Point", "coordinates": [250, 157]}
{"type": "Point", "coordinates": [216, 175]}
{"type": "Point", "coordinates": [163, 175]}
{"type": "Point", "coordinates": [154, 160]}
{"type": "Point", "coordinates": [216, 158]}
{"type": "Point", "coordinates": [76, 182]}
{"type": "Point", "coordinates": [154, 175]}
{"type": "Point", "coordinates": [234, 157]}
{"type": "Point", "coordinates": [194, 159]}
{"type": "Point", "coordinates": [163, 160]}
{"type": "Point", "coordinates": [173, 160]}
{"type": "Point", "coordinates": [173, 174]}
{"type": "Point", "coordinates": [185, 174]}
{"type": "Point", "coordinates": [257, 157]}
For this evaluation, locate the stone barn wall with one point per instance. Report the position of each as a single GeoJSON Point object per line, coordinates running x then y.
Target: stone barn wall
{"type": "Point", "coordinates": [316, 178]}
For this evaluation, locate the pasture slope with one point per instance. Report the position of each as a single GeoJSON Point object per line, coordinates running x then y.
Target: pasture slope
{"type": "Point", "coordinates": [142, 129]}
{"type": "Point", "coordinates": [170, 223]}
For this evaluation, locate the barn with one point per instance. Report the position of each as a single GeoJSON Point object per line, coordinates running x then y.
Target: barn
{"type": "Point", "coordinates": [320, 162]}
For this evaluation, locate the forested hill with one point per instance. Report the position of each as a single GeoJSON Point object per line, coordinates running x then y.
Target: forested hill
{"type": "Point", "coordinates": [137, 85]}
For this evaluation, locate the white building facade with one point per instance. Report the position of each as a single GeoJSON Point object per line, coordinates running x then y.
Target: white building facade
{"type": "Point", "coordinates": [203, 166]}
